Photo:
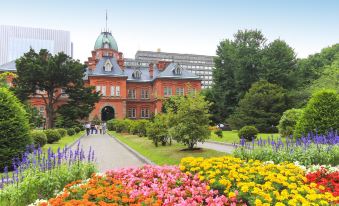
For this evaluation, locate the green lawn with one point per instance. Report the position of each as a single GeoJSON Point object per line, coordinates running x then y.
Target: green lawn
{"type": "Point", "coordinates": [163, 155]}
{"type": "Point", "coordinates": [63, 142]}
{"type": "Point", "coordinates": [232, 136]}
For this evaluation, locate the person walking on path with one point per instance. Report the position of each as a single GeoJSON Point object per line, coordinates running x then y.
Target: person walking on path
{"type": "Point", "coordinates": [88, 128]}
{"type": "Point", "coordinates": [100, 128]}
{"type": "Point", "coordinates": [104, 128]}
{"type": "Point", "coordinates": [92, 128]}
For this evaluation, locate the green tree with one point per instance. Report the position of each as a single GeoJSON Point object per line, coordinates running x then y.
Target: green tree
{"type": "Point", "coordinates": [14, 127]}
{"type": "Point", "coordinates": [189, 124]}
{"type": "Point", "coordinates": [157, 130]}
{"type": "Point", "coordinates": [48, 74]}
{"type": "Point", "coordinates": [288, 121]}
{"type": "Point", "coordinates": [329, 78]}
{"type": "Point", "coordinates": [278, 64]}
{"type": "Point", "coordinates": [320, 115]}
{"type": "Point", "coordinates": [81, 102]}
{"type": "Point", "coordinates": [262, 106]}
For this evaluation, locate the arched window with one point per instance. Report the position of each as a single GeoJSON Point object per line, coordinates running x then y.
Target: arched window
{"type": "Point", "coordinates": [108, 66]}
{"type": "Point", "coordinates": [136, 74]}
{"type": "Point", "coordinates": [177, 70]}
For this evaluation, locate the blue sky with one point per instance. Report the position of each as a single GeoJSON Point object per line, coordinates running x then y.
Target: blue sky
{"type": "Point", "coordinates": [183, 26]}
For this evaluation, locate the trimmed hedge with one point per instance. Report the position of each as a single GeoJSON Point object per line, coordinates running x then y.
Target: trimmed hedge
{"type": "Point", "coordinates": [70, 132]}
{"type": "Point", "coordinates": [321, 114]}
{"type": "Point", "coordinates": [14, 128]}
{"type": "Point", "coordinates": [39, 138]}
{"type": "Point", "coordinates": [62, 132]}
{"type": "Point", "coordinates": [288, 121]}
{"type": "Point", "coordinates": [77, 130]}
{"type": "Point", "coordinates": [248, 132]}
{"type": "Point", "coordinates": [52, 135]}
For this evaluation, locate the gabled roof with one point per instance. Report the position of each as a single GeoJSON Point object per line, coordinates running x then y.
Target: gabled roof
{"type": "Point", "coordinates": [100, 71]}
{"type": "Point", "coordinates": [9, 66]}
{"type": "Point", "coordinates": [169, 73]}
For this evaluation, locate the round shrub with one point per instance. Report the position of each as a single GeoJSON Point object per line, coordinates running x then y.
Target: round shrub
{"type": "Point", "coordinates": [62, 132]}
{"type": "Point", "coordinates": [320, 115]}
{"type": "Point", "coordinates": [218, 132]}
{"type": "Point", "coordinates": [288, 121]}
{"type": "Point", "coordinates": [70, 132]}
{"type": "Point", "coordinates": [111, 125]}
{"type": "Point", "coordinates": [14, 128]}
{"type": "Point", "coordinates": [248, 132]}
{"type": "Point", "coordinates": [77, 129]}
{"type": "Point", "coordinates": [39, 138]}
{"type": "Point", "coordinates": [52, 135]}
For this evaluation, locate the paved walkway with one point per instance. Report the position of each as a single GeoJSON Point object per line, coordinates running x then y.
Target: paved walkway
{"type": "Point", "coordinates": [217, 147]}
{"type": "Point", "coordinates": [109, 153]}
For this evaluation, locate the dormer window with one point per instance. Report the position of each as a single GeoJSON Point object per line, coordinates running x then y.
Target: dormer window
{"type": "Point", "coordinates": [177, 70]}
{"type": "Point", "coordinates": [136, 74]}
{"type": "Point", "coordinates": [108, 66]}
{"type": "Point", "coordinates": [106, 45]}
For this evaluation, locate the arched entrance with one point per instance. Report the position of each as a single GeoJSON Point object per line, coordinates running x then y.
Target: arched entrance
{"type": "Point", "coordinates": [107, 113]}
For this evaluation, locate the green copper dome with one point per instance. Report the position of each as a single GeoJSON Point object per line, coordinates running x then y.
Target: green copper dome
{"type": "Point", "coordinates": [106, 38]}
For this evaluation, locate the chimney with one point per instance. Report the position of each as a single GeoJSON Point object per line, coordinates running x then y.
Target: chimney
{"type": "Point", "coordinates": [151, 70]}
{"type": "Point", "coordinates": [162, 65]}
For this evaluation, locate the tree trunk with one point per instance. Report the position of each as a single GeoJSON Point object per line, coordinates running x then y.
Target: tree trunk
{"type": "Point", "coordinates": [50, 111]}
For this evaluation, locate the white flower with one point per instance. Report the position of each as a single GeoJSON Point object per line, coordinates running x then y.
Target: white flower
{"type": "Point", "coordinates": [38, 202]}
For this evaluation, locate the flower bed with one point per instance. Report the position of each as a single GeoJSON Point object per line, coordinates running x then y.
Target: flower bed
{"type": "Point", "coordinates": [148, 185]}
{"type": "Point", "coordinates": [326, 178]}
{"type": "Point", "coordinates": [258, 183]}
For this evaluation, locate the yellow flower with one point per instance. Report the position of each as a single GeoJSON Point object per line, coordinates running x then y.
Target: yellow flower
{"type": "Point", "coordinates": [244, 188]}
{"type": "Point", "coordinates": [258, 202]}
{"type": "Point", "coordinates": [231, 195]}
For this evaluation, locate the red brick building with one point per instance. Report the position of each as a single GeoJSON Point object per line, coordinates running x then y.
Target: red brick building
{"type": "Point", "coordinates": [130, 92]}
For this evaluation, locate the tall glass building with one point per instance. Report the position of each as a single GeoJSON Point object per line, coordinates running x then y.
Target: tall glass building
{"type": "Point", "coordinates": [200, 65]}
{"type": "Point", "coordinates": [15, 41]}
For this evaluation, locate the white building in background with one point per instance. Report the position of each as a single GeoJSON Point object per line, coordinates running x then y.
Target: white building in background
{"type": "Point", "coordinates": [201, 65]}
{"type": "Point", "coordinates": [15, 41]}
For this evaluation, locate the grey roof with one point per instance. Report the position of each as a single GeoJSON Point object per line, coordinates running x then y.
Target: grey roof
{"type": "Point", "coordinates": [169, 73]}
{"type": "Point", "coordinates": [99, 69]}
{"type": "Point", "coordinates": [9, 66]}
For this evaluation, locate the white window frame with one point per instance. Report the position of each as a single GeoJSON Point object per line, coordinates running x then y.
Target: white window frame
{"type": "Point", "coordinates": [144, 93]}
{"type": "Point", "coordinates": [112, 91]}
{"type": "Point", "coordinates": [103, 90]}
{"type": "Point", "coordinates": [132, 94]}
{"type": "Point", "coordinates": [117, 91]}
{"type": "Point", "coordinates": [179, 91]}
{"type": "Point", "coordinates": [167, 91]}
{"type": "Point", "coordinates": [144, 112]}
{"type": "Point", "coordinates": [132, 112]}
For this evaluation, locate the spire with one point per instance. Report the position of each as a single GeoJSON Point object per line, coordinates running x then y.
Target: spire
{"type": "Point", "coordinates": [106, 20]}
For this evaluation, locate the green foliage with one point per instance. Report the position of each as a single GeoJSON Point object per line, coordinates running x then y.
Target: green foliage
{"type": "Point", "coordinates": [248, 132]}
{"type": "Point", "coordinates": [62, 132]}
{"type": "Point", "coordinates": [39, 138]}
{"type": "Point", "coordinates": [52, 135]}
{"type": "Point", "coordinates": [288, 121]}
{"type": "Point", "coordinates": [96, 120]}
{"type": "Point", "coordinates": [77, 129]}
{"type": "Point", "coordinates": [279, 64]}
{"type": "Point", "coordinates": [138, 127]}
{"type": "Point", "coordinates": [111, 124]}
{"type": "Point", "coordinates": [189, 124]}
{"type": "Point", "coordinates": [157, 131]}
{"type": "Point", "coordinates": [312, 155]}
{"type": "Point", "coordinates": [329, 78]}
{"type": "Point", "coordinates": [81, 101]}
{"type": "Point", "coordinates": [262, 107]}
{"type": "Point", "coordinates": [39, 184]}
{"type": "Point", "coordinates": [34, 117]}
{"type": "Point", "coordinates": [46, 72]}
{"type": "Point", "coordinates": [218, 132]}
{"type": "Point", "coordinates": [70, 132]}
{"type": "Point", "coordinates": [243, 61]}
{"type": "Point", "coordinates": [14, 128]}
{"type": "Point", "coordinates": [320, 115]}
{"type": "Point", "coordinates": [311, 68]}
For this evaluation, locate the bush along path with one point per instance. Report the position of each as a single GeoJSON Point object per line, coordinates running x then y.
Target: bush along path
{"type": "Point", "coordinates": [110, 154]}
